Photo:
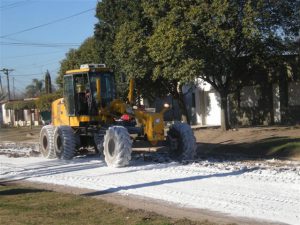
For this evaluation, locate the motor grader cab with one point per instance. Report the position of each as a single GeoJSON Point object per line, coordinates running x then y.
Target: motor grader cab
{"type": "Point", "coordinates": [89, 114]}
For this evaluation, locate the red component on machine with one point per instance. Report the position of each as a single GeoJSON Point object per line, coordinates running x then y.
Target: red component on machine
{"type": "Point", "coordinates": [125, 117]}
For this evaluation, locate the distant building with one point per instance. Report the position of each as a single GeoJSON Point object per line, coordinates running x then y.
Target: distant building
{"type": "Point", "coordinates": [22, 117]}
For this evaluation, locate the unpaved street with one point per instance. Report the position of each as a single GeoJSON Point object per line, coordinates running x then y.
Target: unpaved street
{"type": "Point", "coordinates": [265, 190]}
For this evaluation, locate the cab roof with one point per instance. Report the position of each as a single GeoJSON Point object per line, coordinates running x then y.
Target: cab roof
{"type": "Point", "coordinates": [90, 68]}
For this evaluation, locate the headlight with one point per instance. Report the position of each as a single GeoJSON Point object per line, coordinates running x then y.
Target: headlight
{"type": "Point", "coordinates": [157, 120]}
{"type": "Point", "coordinates": [166, 105]}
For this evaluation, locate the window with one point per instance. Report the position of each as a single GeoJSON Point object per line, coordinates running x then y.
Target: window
{"type": "Point", "coordinates": [69, 94]}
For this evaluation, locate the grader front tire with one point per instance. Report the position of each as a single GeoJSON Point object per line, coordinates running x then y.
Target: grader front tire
{"type": "Point", "coordinates": [182, 142]}
{"type": "Point", "coordinates": [117, 147]}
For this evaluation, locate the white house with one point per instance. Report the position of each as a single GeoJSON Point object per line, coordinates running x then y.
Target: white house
{"type": "Point", "coordinates": [203, 104]}
{"type": "Point", "coordinates": [24, 117]}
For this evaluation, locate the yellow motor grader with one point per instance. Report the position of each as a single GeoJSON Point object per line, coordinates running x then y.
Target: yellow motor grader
{"type": "Point", "coordinates": [89, 114]}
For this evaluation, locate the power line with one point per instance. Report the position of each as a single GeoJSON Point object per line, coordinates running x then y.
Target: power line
{"type": "Point", "coordinates": [54, 45]}
{"type": "Point", "coordinates": [34, 74]}
{"type": "Point", "coordinates": [40, 53]}
{"type": "Point", "coordinates": [38, 63]}
{"type": "Point", "coordinates": [12, 5]}
{"type": "Point", "coordinates": [27, 75]}
{"type": "Point", "coordinates": [46, 24]}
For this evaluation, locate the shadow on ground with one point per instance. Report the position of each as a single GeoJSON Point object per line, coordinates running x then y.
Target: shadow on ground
{"type": "Point", "coordinates": [168, 181]}
{"type": "Point", "coordinates": [18, 191]}
{"type": "Point", "coordinates": [273, 147]}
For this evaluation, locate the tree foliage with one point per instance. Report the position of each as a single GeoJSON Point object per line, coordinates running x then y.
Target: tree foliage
{"type": "Point", "coordinates": [165, 44]}
{"type": "Point", "coordinates": [34, 89]}
{"type": "Point", "coordinates": [222, 41]}
{"type": "Point", "coordinates": [43, 103]}
{"type": "Point", "coordinates": [126, 29]}
{"type": "Point", "coordinates": [48, 84]}
{"type": "Point", "coordinates": [20, 105]}
{"type": "Point", "coordinates": [86, 53]}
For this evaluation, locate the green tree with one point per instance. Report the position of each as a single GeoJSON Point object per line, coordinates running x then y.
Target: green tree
{"type": "Point", "coordinates": [34, 89]}
{"type": "Point", "coordinates": [220, 41]}
{"type": "Point", "coordinates": [87, 53]}
{"type": "Point", "coordinates": [43, 103]}
{"type": "Point", "coordinates": [111, 16]}
{"type": "Point", "coordinates": [132, 55]}
{"type": "Point", "coordinates": [230, 35]}
{"type": "Point", "coordinates": [169, 46]}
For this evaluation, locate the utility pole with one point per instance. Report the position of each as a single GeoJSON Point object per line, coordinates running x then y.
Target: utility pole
{"type": "Point", "coordinates": [14, 88]}
{"type": "Point", "coordinates": [1, 86]}
{"type": "Point", "coordinates": [6, 72]}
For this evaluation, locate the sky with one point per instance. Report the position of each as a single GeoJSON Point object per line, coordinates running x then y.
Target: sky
{"type": "Point", "coordinates": [35, 35]}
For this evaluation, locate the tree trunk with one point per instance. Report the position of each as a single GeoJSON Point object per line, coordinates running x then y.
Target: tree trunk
{"type": "Point", "coordinates": [224, 112]}
{"type": "Point", "coordinates": [175, 89]}
{"type": "Point", "coordinates": [185, 115]}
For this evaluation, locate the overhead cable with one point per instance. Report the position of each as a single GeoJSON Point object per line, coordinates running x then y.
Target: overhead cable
{"type": "Point", "coordinates": [46, 24]}
{"type": "Point", "coordinates": [40, 44]}
{"type": "Point", "coordinates": [12, 5]}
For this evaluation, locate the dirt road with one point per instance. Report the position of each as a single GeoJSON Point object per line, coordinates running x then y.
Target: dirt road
{"type": "Point", "coordinates": [217, 188]}
{"type": "Point", "coordinates": [257, 190]}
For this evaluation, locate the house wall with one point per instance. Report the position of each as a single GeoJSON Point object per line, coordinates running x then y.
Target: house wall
{"type": "Point", "coordinates": [205, 110]}
{"type": "Point", "coordinates": [19, 118]}
{"type": "Point", "coordinates": [294, 102]}
{"type": "Point", "coordinates": [262, 105]}
{"type": "Point", "coordinates": [7, 115]}
{"type": "Point", "coordinates": [276, 103]}
{"type": "Point", "coordinates": [255, 105]}
{"type": "Point", "coordinates": [202, 103]}
{"type": "Point", "coordinates": [250, 96]}
{"type": "Point", "coordinates": [294, 93]}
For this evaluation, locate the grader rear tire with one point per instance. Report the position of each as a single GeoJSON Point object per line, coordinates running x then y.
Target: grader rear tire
{"type": "Point", "coordinates": [182, 142]}
{"type": "Point", "coordinates": [117, 147]}
{"type": "Point", "coordinates": [46, 142]}
{"type": "Point", "coordinates": [64, 142]}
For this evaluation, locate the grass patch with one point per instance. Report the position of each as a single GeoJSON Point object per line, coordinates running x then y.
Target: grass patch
{"type": "Point", "coordinates": [277, 147]}
{"type": "Point", "coordinates": [291, 149]}
{"type": "Point", "coordinates": [20, 205]}
{"type": "Point", "coordinates": [16, 134]}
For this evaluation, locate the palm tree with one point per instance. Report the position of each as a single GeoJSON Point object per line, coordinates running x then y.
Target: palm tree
{"type": "Point", "coordinates": [35, 88]}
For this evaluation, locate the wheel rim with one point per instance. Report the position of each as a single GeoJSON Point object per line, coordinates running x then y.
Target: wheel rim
{"type": "Point", "coordinates": [111, 147]}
